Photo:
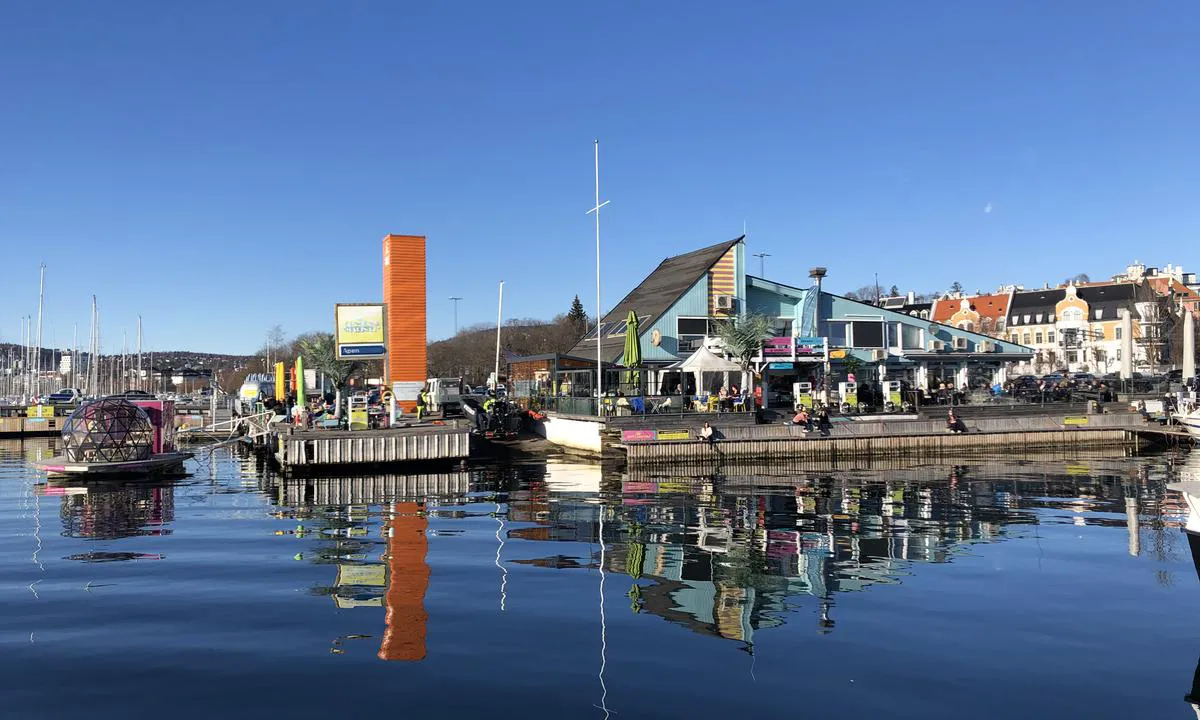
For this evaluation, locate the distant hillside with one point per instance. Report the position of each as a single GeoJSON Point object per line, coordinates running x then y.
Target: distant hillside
{"type": "Point", "coordinates": [471, 353]}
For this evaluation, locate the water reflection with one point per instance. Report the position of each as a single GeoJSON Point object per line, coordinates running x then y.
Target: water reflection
{"type": "Point", "coordinates": [112, 510]}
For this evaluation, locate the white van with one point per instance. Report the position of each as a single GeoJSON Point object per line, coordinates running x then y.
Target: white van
{"type": "Point", "coordinates": [445, 395]}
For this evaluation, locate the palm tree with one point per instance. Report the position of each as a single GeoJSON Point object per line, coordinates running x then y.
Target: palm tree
{"type": "Point", "coordinates": [743, 337]}
{"type": "Point", "coordinates": [320, 352]}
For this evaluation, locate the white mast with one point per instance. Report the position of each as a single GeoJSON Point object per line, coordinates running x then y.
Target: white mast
{"type": "Point", "coordinates": [74, 354]}
{"type": "Point", "coordinates": [599, 355]}
{"type": "Point", "coordinates": [139, 352]}
{"type": "Point", "coordinates": [41, 293]}
{"type": "Point", "coordinates": [499, 320]}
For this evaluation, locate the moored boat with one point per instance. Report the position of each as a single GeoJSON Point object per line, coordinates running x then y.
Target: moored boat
{"type": "Point", "coordinates": [115, 437]}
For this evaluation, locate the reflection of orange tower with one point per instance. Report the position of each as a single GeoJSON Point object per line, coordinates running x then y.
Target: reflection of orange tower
{"type": "Point", "coordinates": [404, 638]}
{"type": "Point", "coordinates": [404, 295]}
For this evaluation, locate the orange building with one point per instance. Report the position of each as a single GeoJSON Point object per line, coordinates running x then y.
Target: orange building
{"type": "Point", "coordinates": [404, 294]}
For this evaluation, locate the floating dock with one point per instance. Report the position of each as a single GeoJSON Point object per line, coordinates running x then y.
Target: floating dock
{"type": "Point", "coordinates": [311, 450]}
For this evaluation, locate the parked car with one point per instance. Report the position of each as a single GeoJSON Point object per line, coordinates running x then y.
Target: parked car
{"type": "Point", "coordinates": [135, 395]}
{"type": "Point", "coordinates": [65, 396]}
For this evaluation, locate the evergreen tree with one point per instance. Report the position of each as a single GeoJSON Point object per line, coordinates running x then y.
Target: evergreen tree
{"type": "Point", "coordinates": [956, 287]}
{"type": "Point", "coordinates": [577, 315]}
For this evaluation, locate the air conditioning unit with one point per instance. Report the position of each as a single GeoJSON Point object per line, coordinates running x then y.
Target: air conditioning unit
{"type": "Point", "coordinates": [960, 343]}
{"type": "Point", "coordinates": [878, 355]}
{"type": "Point", "coordinates": [937, 345]}
{"type": "Point", "coordinates": [985, 346]}
{"type": "Point", "coordinates": [723, 302]}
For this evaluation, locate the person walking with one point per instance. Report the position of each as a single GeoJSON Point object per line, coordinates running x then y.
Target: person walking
{"type": "Point", "coordinates": [422, 401]}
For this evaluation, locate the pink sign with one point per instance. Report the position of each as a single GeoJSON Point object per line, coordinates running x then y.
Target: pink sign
{"type": "Point", "coordinates": [638, 436]}
{"type": "Point", "coordinates": [777, 346]}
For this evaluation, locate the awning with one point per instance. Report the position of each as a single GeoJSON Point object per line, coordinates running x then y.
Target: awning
{"type": "Point", "coordinates": [705, 360]}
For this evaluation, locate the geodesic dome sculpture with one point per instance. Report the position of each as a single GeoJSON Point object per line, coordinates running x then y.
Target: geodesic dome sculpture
{"type": "Point", "coordinates": [108, 430]}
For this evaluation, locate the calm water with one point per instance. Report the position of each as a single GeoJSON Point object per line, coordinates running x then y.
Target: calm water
{"type": "Point", "coordinates": [998, 589]}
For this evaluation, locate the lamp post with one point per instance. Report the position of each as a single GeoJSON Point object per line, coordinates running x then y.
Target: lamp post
{"type": "Point", "coordinates": [762, 263]}
{"type": "Point", "coordinates": [455, 300]}
{"type": "Point", "coordinates": [817, 274]}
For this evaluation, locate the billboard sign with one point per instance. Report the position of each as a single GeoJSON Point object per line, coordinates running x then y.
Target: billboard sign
{"type": "Point", "coordinates": [360, 330]}
{"type": "Point", "coordinates": [777, 346]}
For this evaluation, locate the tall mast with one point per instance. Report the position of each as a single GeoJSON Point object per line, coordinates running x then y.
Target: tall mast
{"type": "Point", "coordinates": [139, 352]}
{"type": "Point", "coordinates": [74, 354]}
{"type": "Point", "coordinates": [41, 293]}
{"type": "Point", "coordinates": [599, 355]}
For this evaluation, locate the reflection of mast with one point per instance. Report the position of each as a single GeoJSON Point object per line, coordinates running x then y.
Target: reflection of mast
{"type": "Point", "coordinates": [499, 547]}
{"type": "Point", "coordinates": [404, 638]}
{"type": "Point", "coordinates": [603, 624]}
{"type": "Point", "coordinates": [1131, 523]}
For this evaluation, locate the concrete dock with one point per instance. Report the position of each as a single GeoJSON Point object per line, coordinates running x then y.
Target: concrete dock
{"type": "Point", "coordinates": [301, 450]}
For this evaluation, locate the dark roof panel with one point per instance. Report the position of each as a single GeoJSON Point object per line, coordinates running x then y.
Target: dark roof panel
{"type": "Point", "coordinates": [656, 294]}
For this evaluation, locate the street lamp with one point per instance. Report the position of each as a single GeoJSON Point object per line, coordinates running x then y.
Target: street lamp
{"type": "Point", "coordinates": [762, 263]}
{"type": "Point", "coordinates": [455, 301]}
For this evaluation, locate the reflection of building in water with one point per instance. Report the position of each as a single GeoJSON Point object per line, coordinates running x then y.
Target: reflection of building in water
{"type": "Point", "coordinates": [404, 638]}
{"type": "Point", "coordinates": [106, 512]}
{"type": "Point", "coordinates": [726, 557]}
{"type": "Point", "coordinates": [338, 510]}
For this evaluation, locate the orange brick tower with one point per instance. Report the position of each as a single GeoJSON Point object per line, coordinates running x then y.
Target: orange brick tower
{"type": "Point", "coordinates": [404, 293]}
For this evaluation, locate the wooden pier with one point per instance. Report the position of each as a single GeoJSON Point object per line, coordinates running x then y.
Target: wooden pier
{"type": "Point", "coordinates": [301, 450]}
{"type": "Point", "coordinates": [835, 449]}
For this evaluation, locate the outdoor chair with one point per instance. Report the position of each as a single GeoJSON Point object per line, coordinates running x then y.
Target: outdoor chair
{"type": "Point", "coordinates": [660, 407]}
{"type": "Point", "coordinates": [714, 403]}
{"type": "Point", "coordinates": [739, 402]}
{"type": "Point", "coordinates": [637, 405]}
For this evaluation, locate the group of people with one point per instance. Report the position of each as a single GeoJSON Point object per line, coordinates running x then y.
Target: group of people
{"type": "Point", "coordinates": [818, 417]}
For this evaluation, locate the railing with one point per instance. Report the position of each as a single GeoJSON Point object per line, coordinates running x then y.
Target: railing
{"type": "Point", "coordinates": [255, 426]}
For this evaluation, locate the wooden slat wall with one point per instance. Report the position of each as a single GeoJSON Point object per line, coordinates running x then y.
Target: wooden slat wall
{"type": "Point", "coordinates": [404, 293]}
{"type": "Point", "coordinates": [832, 449]}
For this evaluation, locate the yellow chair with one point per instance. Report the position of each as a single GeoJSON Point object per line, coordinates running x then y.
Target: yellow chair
{"type": "Point", "coordinates": [714, 403]}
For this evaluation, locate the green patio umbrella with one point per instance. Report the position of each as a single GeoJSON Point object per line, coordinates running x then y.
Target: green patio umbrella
{"type": "Point", "coordinates": [632, 357]}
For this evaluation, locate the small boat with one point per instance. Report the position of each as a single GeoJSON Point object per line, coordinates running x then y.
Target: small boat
{"type": "Point", "coordinates": [114, 437]}
{"type": "Point", "coordinates": [1188, 416]}
{"type": "Point", "coordinates": [502, 423]}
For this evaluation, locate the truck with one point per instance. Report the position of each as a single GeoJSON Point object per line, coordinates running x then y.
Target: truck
{"type": "Point", "coordinates": [445, 395]}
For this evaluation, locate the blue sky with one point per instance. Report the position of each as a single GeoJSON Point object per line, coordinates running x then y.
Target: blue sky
{"type": "Point", "coordinates": [221, 167]}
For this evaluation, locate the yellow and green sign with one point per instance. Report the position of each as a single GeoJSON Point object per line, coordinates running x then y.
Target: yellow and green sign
{"type": "Point", "coordinates": [360, 331]}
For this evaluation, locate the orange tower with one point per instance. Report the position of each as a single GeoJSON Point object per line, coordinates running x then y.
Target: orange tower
{"type": "Point", "coordinates": [404, 638]}
{"type": "Point", "coordinates": [404, 293]}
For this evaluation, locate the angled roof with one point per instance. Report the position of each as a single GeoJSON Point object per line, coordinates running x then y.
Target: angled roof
{"type": "Point", "coordinates": [655, 295]}
{"type": "Point", "coordinates": [1042, 301]}
{"type": "Point", "coordinates": [993, 306]}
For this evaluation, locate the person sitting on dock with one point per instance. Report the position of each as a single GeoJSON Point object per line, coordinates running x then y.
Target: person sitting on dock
{"type": "Point", "coordinates": [954, 423]}
{"type": "Point", "coordinates": [802, 418]}
{"type": "Point", "coordinates": [706, 435]}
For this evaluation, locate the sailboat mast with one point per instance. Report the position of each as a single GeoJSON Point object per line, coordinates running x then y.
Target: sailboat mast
{"type": "Point", "coordinates": [41, 294]}
{"type": "Point", "coordinates": [139, 352]}
{"type": "Point", "coordinates": [499, 316]}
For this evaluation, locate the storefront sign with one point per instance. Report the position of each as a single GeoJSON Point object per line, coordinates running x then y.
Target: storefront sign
{"type": "Point", "coordinates": [837, 354]}
{"type": "Point", "coordinates": [1082, 420]}
{"type": "Point", "coordinates": [777, 346]}
{"type": "Point", "coordinates": [40, 411]}
{"type": "Point", "coordinates": [781, 366]}
{"type": "Point", "coordinates": [638, 436]}
{"type": "Point", "coordinates": [360, 331]}
{"type": "Point", "coordinates": [810, 346]}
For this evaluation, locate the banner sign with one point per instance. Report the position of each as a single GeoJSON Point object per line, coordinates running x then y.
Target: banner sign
{"type": "Point", "coordinates": [1081, 420]}
{"type": "Point", "coordinates": [777, 346]}
{"type": "Point", "coordinates": [810, 346]}
{"type": "Point", "coordinates": [360, 330]}
{"type": "Point", "coordinates": [638, 435]}
{"type": "Point", "coordinates": [684, 434]}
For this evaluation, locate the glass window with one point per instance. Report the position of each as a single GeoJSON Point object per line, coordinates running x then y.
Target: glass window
{"type": "Point", "coordinates": [867, 334]}
{"type": "Point", "coordinates": [1099, 313]}
{"type": "Point", "coordinates": [782, 327]}
{"type": "Point", "coordinates": [616, 329]}
{"type": "Point", "coordinates": [692, 326]}
{"type": "Point", "coordinates": [910, 337]}
{"type": "Point", "coordinates": [837, 333]}
{"type": "Point", "coordinates": [1050, 336]}
{"type": "Point", "coordinates": [1118, 336]}
{"type": "Point", "coordinates": [1027, 339]}
{"type": "Point", "coordinates": [1026, 321]}
{"type": "Point", "coordinates": [1037, 337]}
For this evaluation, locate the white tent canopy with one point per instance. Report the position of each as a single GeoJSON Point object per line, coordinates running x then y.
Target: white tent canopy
{"type": "Point", "coordinates": [706, 361]}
